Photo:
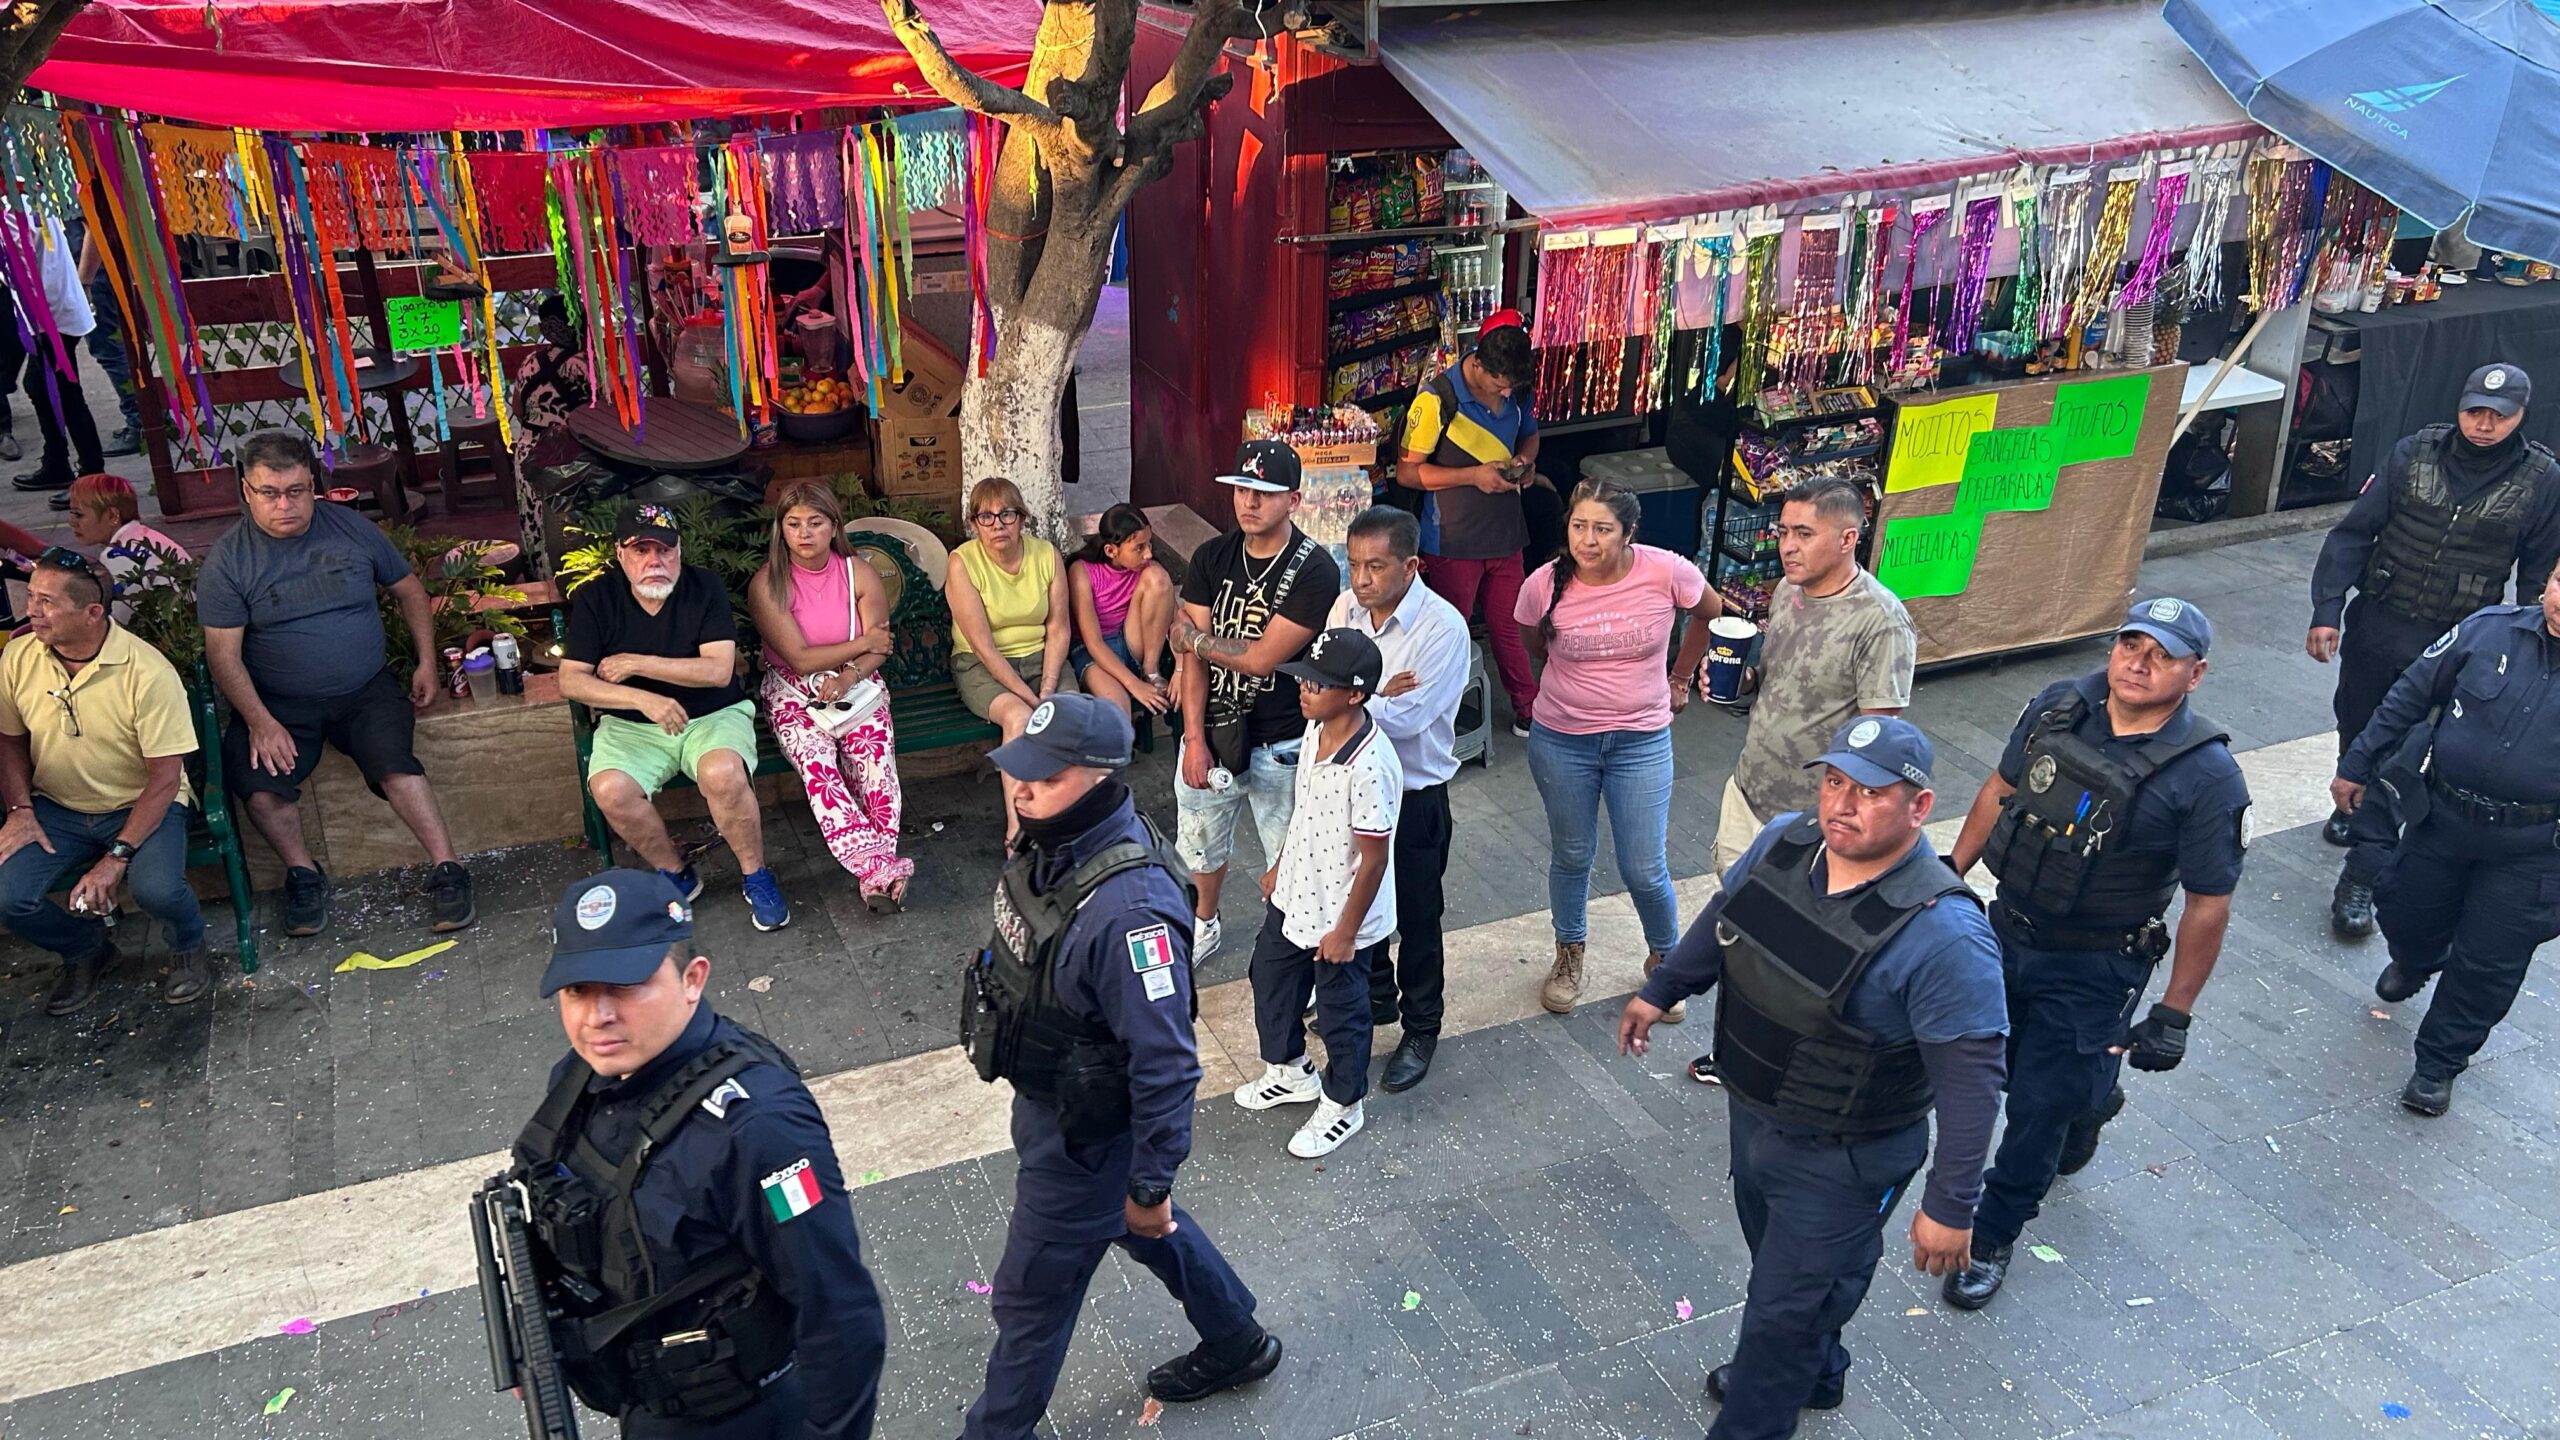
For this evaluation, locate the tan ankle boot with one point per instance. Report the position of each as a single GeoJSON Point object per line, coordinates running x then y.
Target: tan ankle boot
{"type": "Point", "coordinates": [1564, 983]}
{"type": "Point", "coordinates": [1679, 1010]}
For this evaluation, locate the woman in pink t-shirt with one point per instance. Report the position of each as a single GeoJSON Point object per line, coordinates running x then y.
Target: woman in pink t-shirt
{"type": "Point", "coordinates": [824, 616]}
{"type": "Point", "coordinates": [1599, 620]}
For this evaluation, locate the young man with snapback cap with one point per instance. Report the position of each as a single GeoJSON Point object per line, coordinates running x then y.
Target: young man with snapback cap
{"type": "Point", "coordinates": [1333, 898]}
{"type": "Point", "coordinates": [1252, 600]}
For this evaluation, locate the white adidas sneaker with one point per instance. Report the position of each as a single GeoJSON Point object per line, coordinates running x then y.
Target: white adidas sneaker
{"type": "Point", "coordinates": [1207, 934]}
{"type": "Point", "coordinates": [1280, 1085]}
{"type": "Point", "coordinates": [1326, 1129]}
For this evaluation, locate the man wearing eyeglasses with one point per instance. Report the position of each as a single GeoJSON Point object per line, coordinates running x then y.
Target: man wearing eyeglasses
{"type": "Point", "coordinates": [94, 735]}
{"type": "Point", "coordinates": [293, 636]}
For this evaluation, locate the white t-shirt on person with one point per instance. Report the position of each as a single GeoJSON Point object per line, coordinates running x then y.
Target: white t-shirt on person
{"type": "Point", "coordinates": [1358, 790]}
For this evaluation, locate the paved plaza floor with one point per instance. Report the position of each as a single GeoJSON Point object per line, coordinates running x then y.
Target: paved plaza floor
{"type": "Point", "coordinates": [1538, 1241]}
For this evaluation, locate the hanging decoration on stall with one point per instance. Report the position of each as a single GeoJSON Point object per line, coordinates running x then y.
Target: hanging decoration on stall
{"type": "Point", "coordinates": [746, 296]}
{"type": "Point", "coordinates": [933, 158]}
{"type": "Point", "coordinates": [2166, 196]}
{"type": "Point", "coordinates": [511, 189]}
{"type": "Point", "coordinates": [654, 189]}
{"type": "Point", "coordinates": [357, 196]}
{"type": "Point", "coordinates": [40, 175]}
{"type": "Point", "coordinates": [1872, 245]}
{"type": "Point", "coordinates": [2216, 178]}
{"type": "Point", "coordinates": [2355, 243]}
{"type": "Point", "coordinates": [198, 179]}
{"type": "Point", "coordinates": [2286, 197]}
{"type": "Point", "coordinates": [120, 197]}
{"type": "Point", "coordinates": [2028, 291]}
{"type": "Point", "coordinates": [1762, 240]}
{"type": "Point", "coordinates": [2106, 251]}
{"type": "Point", "coordinates": [2065, 213]}
{"type": "Point", "coordinates": [324, 361]}
{"type": "Point", "coordinates": [1925, 217]}
{"type": "Point", "coordinates": [877, 243]}
{"type": "Point", "coordinates": [1710, 262]}
{"type": "Point", "coordinates": [804, 180]}
{"type": "Point", "coordinates": [598, 273]}
{"type": "Point", "coordinates": [1814, 328]}
{"type": "Point", "coordinates": [1973, 274]}
{"type": "Point", "coordinates": [985, 146]}
{"type": "Point", "coordinates": [1654, 286]}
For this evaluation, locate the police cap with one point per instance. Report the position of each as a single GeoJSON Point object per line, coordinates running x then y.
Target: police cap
{"type": "Point", "coordinates": [1880, 750]}
{"type": "Point", "coordinates": [613, 929]}
{"type": "Point", "coordinates": [2179, 626]}
{"type": "Point", "coordinates": [1069, 729]}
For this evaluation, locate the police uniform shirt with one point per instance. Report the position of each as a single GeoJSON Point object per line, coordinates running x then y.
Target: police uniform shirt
{"type": "Point", "coordinates": [757, 1170]}
{"type": "Point", "coordinates": [2349, 547]}
{"type": "Point", "coordinates": [2195, 808]}
{"type": "Point", "coordinates": [2497, 677]}
{"type": "Point", "coordinates": [1126, 962]}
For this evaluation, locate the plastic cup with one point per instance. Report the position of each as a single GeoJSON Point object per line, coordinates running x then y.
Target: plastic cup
{"type": "Point", "coordinates": [1729, 640]}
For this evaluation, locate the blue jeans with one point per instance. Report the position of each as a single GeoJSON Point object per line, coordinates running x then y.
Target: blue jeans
{"type": "Point", "coordinates": [157, 877]}
{"type": "Point", "coordinates": [1631, 770]}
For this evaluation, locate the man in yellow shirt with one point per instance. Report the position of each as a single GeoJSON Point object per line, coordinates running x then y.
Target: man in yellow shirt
{"type": "Point", "coordinates": [94, 735]}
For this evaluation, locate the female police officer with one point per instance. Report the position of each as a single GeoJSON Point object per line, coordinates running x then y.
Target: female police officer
{"type": "Point", "coordinates": [1083, 1000]}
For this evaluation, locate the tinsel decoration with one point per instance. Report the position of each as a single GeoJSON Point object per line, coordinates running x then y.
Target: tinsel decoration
{"type": "Point", "coordinates": [1759, 310]}
{"type": "Point", "coordinates": [1660, 284]}
{"type": "Point", "coordinates": [1921, 224]}
{"type": "Point", "coordinates": [1973, 275]}
{"type": "Point", "coordinates": [2279, 219]}
{"type": "Point", "coordinates": [511, 189]}
{"type": "Point", "coordinates": [2216, 179]}
{"type": "Point", "coordinates": [1869, 246]}
{"type": "Point", "coordinates": [933, 158]}
{"type": "Point", "coordinates": [804, 180]}
{"type": "Point", "coordinates": [2028, 290]}
{"type": "Point", "coordinates": [196, 166]}
{"type": "Point", "coordinates": [2355, 244]}
{"type": "Point", "coordinates": [2065, 212]}
{"type": "Point", "coordinates": [655, 186]}
{"type": "Point", "coordinates": [1814, 327]}
{"type": "Point", "coordinates": [1711, 256]}
{"type": "Point", "coordinates": [2144, 282]}
{"type": "Point", "coordinates": [1580, 330]}
{"type": "Point", "coordinates": [2106, 255]}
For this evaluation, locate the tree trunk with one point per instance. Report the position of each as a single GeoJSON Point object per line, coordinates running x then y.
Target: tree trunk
{"type": "Point", "coordinates": [1009, 419]}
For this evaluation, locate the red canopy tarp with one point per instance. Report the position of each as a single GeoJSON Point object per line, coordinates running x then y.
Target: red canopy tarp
{"type": "Point", "coordinates": [406, 65]}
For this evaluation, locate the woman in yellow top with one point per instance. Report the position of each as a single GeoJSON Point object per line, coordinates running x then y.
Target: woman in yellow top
{"type": "Point", "coordinates": [1010, 618]}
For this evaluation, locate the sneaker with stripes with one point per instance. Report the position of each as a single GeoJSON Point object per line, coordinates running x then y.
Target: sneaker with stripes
{"type": "Point", "coordinates": [1326, 1129]}
{"type": "Point", "coordinates": [1291, 1084]}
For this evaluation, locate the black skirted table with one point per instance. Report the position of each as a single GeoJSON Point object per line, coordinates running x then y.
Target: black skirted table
{"type": "Point", "coordinates": [2414, 358]}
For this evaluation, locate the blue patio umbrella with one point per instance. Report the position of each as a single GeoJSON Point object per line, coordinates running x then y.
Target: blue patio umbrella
{"type": "Point", "coordinates": [2440, 106]}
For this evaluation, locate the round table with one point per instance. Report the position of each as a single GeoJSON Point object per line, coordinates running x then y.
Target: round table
{"type": "Point", "coordinates": [678, 437]}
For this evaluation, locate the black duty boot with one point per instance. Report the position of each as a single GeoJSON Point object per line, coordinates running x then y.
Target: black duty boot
{"type": "Point", "coordinates": [1972, 1287]}
{"type": "Point", "coordinates": [1210, 1368]}
{"type": "Point", "coordinates": [306, 901]}
{"type": "Point", "coordinates": [1826, 1396]}
{"type": "Point", "coordinates": [2351, 908]}
{"type": "Point", "coordinates": [190, 977]}
{"type": "Point", "coordinates": [2339, 831]}
{"type": "Point", "coordinates": [79, 983]}
{"type": "Point", "coordinates": [2395, 984]}
{"type": "Point", "coordinates": [1409, 1064]}
{"type": "Point", "coordinates": [2428, 1095]}
{"type": "Point", "coordinates": [2080, 1146]}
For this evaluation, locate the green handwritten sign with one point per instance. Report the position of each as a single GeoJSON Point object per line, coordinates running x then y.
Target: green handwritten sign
{"type": "Point", "coordinates": [2010, 470]}
{"type": "Point", "coordinates": [2100, 419]}
{"type": "Point", "coordinates": [419, 324]}
{"type": "Point", "coordinates": [1928, 554]}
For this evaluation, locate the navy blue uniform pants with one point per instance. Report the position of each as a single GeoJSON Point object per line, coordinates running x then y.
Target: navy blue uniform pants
{"type": "Point", "coordinates": [1284, 975]}
{"type": "Point", "coordinates": [2375, 644]}
{"type": "Point", "coordinates": [1039, 1290]}
{"type": "Point", "coordinates": [1813, 1209]}
{"type": "Point", "coordinates": [2065, 1008]}
{"type": "Point", "coordinates": [2468, 903]}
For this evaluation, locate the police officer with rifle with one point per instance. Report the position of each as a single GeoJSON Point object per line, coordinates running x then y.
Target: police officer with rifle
{"type": "Point", "coordinates": [674, 1233]}
{"type": "Point", "coordinates": [2429, 541]}
{"type": "Point", "coordinates": [1859, 991]}
{"type": "Point", "coordinates": [2112, 795]}
{"type": "Point", "coordinates": [1083, 1000]}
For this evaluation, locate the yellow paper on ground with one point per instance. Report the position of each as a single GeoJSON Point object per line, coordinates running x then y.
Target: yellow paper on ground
{"type": "Point", "coordinates": [362, 961]}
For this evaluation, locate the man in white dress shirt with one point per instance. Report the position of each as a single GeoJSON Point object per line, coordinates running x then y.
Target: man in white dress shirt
{"type": "Point", "coordinates": [1424, 641]}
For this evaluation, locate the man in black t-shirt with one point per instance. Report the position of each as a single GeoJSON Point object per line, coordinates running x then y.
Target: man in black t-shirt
{"type": "Point", "coordinates": [654, 651]}
{"type": "Point", "coordinates": [1251, 601]}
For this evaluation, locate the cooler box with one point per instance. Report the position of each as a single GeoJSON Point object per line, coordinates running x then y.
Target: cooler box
{"type": "Point", "coordinates": [1670, 499]}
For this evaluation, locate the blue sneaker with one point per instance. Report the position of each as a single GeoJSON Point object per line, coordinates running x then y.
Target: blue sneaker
{"type": "Point", "coordinates": [688, 883]}
{"type": "Point", "coordinates": [764, 900]}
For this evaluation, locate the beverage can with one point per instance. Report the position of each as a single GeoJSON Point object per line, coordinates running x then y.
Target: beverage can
{"type": "Point", "coordinates": [1221, 778]}
{"type": "Point", "coordinates": [455, 682]}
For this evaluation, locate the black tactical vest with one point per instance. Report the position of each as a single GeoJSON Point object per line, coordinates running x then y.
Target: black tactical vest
{"type": "Point", "coordinates": [1011, 1021]}
{"type": "Point", "coordinates": [2051, 845]}
{"type": "Point", "coordinates": [2437, 560]}
{"type": "Point", "coordinates": [696, 1346]}
{"type": "Point", "coordinates": [1791, 958]}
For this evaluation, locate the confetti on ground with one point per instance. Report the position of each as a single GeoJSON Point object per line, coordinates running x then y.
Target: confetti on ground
{"type": "Point", "coordinates": [2155, 1170]}
{"type": "Point", "coordinates": [2381, 1014]}
{"type": "Point", "coordinates": [362, 961]}
{"type": "Point", "coordinates": [2009, 1385]}
{"type": "Point", "coordinates": [2138, 1301]}
{"type": "Point", "coordinates": [1915, 1310]}
{"type": "Point", "coordinates": [979, 1288]}
{"type": "Point", "coordinates": [761, 984]}
{"type": "Point", "coordinates": [299, 1325]}
{"type": "Point", "coordinates": [68, 1210]}
{"type": "Point", "coordinates": [2395, 1410]}
{"type": "Point", "coordinates": [1151, 1412]}
{"type": "Point", "coordinates": [2271, 1146]}
{"type": "Point", "coordinates": [146, 1104]}
{"type": "Point", "coordinates": [937, 827]}
{"type": "Point", "coordinates": [874, 1177]}
{"type": "Point", "coordinates": [2045, 1253]}
{"type": "Point", "coordinates": [1682, 1309]}
{"type": "Point", "coordinates": [437, 974]}
{"type": "Point", "coordinates": [279, 1400]}
{"type": "Point", "coordinates": [1413, 1299]}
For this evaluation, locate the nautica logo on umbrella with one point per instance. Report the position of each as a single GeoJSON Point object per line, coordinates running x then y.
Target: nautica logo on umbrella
{"type": "Point", "coordinates": [2404, 97]}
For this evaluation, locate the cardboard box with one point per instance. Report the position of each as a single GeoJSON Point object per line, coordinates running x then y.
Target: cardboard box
{"type": "Point", "coordinates": [934, 377]}
{"type": "Point", "coordinates": [1322, 457]}
{"type": "Point", "coordinates": [919, 457]}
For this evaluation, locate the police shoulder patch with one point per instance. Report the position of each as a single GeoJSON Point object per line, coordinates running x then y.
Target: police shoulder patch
{"type": "Point", "coordinates": [1150, 948]}
{"type": "Point", "coordinates": [792, 1191]}
{"type": "Point", "coordinates": [2442, 643]}
{"type": "Point", "coordinates": [717, 1103]}
{"type": "Point", "coordinates": [2248, 825]}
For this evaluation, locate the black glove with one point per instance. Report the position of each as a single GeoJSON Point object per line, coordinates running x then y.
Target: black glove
{"type": "Point", "coordinates": [2160, 1041]}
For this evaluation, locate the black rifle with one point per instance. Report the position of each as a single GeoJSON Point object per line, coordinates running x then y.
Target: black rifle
{"type": "Point", "coordinates": [511, 1304]}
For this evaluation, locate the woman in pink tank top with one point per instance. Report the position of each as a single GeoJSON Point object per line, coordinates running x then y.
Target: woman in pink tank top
{"type": "Point", "coordinates": [1123, 610]}
{"type": "Point", "coordinates": [824, 616]}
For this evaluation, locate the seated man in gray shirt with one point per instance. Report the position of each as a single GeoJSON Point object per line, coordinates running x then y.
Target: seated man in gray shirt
{"type": "Point", "coordinates": [293, 635]}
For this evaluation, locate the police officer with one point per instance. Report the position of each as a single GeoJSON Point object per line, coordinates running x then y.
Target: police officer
{"type": "Point", "coordinates": [2112, 795]}
{"type": "Point", "coordinates": [686, 1201]}
{"type": "Point", "coordinates": [1860, 990]}
{"type": "Point", "coordinates": [2430, 540]}
{"type": "Point", "coordinates": [2475, 884]}
{"type": "Point", "coordinates": [1083, 1000]}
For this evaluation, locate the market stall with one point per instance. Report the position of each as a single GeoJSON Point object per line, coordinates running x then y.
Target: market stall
{"type": "Point", "coordinates": [2410, 359]}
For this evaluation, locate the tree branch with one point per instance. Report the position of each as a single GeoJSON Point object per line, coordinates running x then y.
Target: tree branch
{"type": "Point", "coordinates": [954, 81]}
{"type": "Point", "coordinates": [1183, 91]}
{"type": "Point", "coordinates": [27, 33]}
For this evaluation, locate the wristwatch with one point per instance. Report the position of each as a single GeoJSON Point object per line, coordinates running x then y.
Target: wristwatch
{"type": "Point", "coordinates": [1148, 1197]}
{"type": "Point", "coordinates": [120, 850]}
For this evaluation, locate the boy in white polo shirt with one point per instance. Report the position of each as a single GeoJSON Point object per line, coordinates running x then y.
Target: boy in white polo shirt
{"type": "Point", "coordinates": [1332, 894]}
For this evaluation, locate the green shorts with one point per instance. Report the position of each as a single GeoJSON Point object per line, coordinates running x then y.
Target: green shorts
{"type": "Point", "coordinates": [979, 688]}
{"type": "Point", "coordinates": [652, 757]}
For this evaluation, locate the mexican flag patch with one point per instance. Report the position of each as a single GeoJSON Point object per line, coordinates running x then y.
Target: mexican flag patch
{"type": "Point", "coordinates": [792, 1191]}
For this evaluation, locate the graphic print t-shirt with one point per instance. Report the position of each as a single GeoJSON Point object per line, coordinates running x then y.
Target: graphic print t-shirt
{"type": "Point", "coordinates": [1242, 595]}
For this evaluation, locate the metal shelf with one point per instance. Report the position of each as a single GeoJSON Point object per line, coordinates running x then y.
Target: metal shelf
{"type": "Point", "coordinates": [1385, 398]}
{"type": "Point", "coordinates": [1380, 297]}
{"type": "Point", "coordinates": [1388, 346]}
{"type": "Point", "coordinates": [1337, 237]}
